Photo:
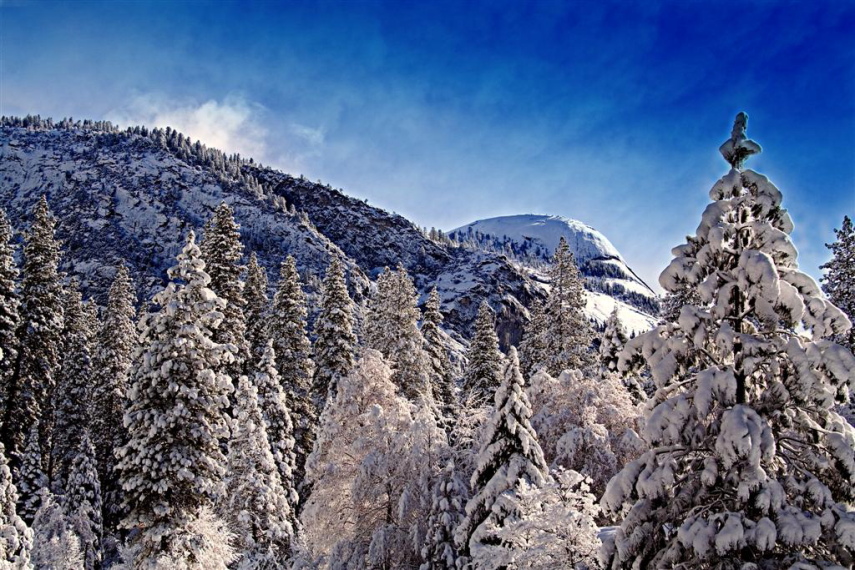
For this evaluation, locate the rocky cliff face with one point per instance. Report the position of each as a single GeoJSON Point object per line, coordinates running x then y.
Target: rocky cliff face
{"type": "Point", "coordinates": [131, 196]}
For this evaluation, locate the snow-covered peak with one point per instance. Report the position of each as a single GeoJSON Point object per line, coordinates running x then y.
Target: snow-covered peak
{"type": "Point", "coordinates": [544, 231]}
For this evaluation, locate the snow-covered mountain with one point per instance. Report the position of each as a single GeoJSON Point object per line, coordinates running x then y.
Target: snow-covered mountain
{"type": "Point", "coordinates": [132, 195]}
{"type": "Point", "coordinates": [530, 239]}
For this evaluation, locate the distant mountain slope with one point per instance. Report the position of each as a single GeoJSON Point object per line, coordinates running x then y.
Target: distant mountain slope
{"type": "Point", "coordinates": [531, 239]}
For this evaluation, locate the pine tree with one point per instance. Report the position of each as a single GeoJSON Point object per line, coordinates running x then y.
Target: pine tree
{"type": "Point", "coordinates": [117, 342]}
{"type": "Point", "coordinates": [532, 350]}
{"type": "Point", "coordinates": [256, 504]}
{"type": "Point", "coordinates": [31, 476]}
{"type": "Point", "coordinates": [748, 462]}
{"type": "Point", "coordinates": [255, 293]}
{"type": "Point", "coordinates": [839, 279]}
{"type": "Point", "coordinates": [335, 340]}
{"type": "Point", "coordinates": [509, 452]}
{"type": "Point", "coordinates": [447, 510]}
{"type": "Point", "coordinates": [442, 382]}
{"type": "Point", "coordinates": [222, 251]}
{"type": "Point", "coordinates": [172, 467]}
{"type": "Point", "coordinates": [16, 539]}
{"type": "Point", "coordinates": [72, 397]}
{"type": "Point", "coordinates": [9, 303]}
{"type": "Point", "coordinates": [39, 338]}
{"type": "Point", "coordinates": [392, 328]}
{"type": "Point", "coordinates": [83, 503]}
{"type": "Point", "coordinates": [483, 371]}
{"type": "Point", "coordinates": [278, 423]}
{"type": "Point", "coordinates": [612, 342]}
{"type": "Point", "coordinates": [287, 330]}
{"type": "Point", "coordinates": [55, 545]}
{"type": "Point", "coordinates": [567, 333]}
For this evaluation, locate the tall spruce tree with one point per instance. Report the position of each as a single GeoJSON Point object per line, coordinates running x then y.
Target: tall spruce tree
{"type": "Point", "coordinates": [72, 402]}
{"type": "Point", "coordinates": [532, 350]}
{"type": "Point", "coordinates": [392, 328]}
{"type": "Point", "coordinates": [447, 511]}
{"type": "Point", "coordinates": [31, 476]}
{"type": "Point", "coordinates": [117, 341]}
{"type": "Point", "coordinates": [567, 333]}
{"type": "Point", "coordinates": [278, 423]}
{"type": "Point", "coordinates": [9, 314]}
{"type": "Point", "coordinates": [287, 330]}
{"type": "Point", "coordinates": [256, 504]}
{"type": "Point", "coordinates": [749, 465]}
{"type": "Point", "coordinates": [335, 339]}
{"type": "Point", "coordinates": [509, 452]}
{"type": "Point", "coordinates": [16, 539]}
{"type": "Point", "coordinates": [222, 252]}
{"type": "Point", "coordinates": [172, 467]}
{"type": "Point", "coordinates": [483, 371]}
{"type": "Point", "coordinates": [255, 293]}
{"type": "Point", "coordinates": [442, 382]}
{"type": "Point", "coordinates": [39, 339]}
{"type": "Point", "coordinates": [839, 279]}
{"type": "Point", "coordinates": [83, 503]}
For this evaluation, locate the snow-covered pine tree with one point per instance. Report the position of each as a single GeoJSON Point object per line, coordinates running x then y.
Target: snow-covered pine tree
{"type": "Point", "coordinates": [612, 341]}
{"type": "Point", "coordinates": [447, 510]}
{"type": "Point", "coordinates": [55, 544]}
{"type": "Point", "coordinates": [509, 452]}
{"type": "Point", "coordinates": [72, 403]}
{"type": "Point", "coordinates": [16, 539]}
{"type": "Point", "coordinates": [278, 423]}
{"type": "Point", "coordinates": [391, 327]}
{"type": "Point", "coordinates": [255, 504]}
{"type": "Point", "coordinates": [483, 370]}
{"type": "Point", "coordinates": [255, 293]}
{"type": "Point", "coordinates": [673, 301]}
{"type": "Point", "coordinates": [117, 342]}
{"type": "Point", "coordinates": [222, 251]}
{"type": "Point", "coordinates": [31, 476]}
{"type": "Point", "coordinates": [839, 278]}
{"type": "Point", "coordinates": [83, 503]}
{"type": "Point", "coordinates": [567, 332]}
{"type": "Point", "coordinates": [749, 462]}
{"type": "Point", "coordinates": [9, 302]}
{"type": "Point", "coordinates": [532, 351]}
{"type": "Point", "coordinates": [39, 339]}
{"type": "Point", "coordinates": [172, 468]}
{"type": "Point", "coordinates": [287, 330]}
{"type": "Point", "coordinates": [442, 382]}
{"type": "Point", "coordinates": [334, 337]}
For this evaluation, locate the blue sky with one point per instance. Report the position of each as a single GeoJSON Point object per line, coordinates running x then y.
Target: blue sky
{"type": "Point", "coordinates": [446, 112]}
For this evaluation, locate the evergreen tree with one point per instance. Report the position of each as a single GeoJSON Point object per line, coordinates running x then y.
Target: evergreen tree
{"type": "Point", "coordinates": [392, 328]}
{"type": "Point", "coordinates": [172, 467]}
{"type": "Point", "coordinates": [447, 510]}
{"type": "Point", "coordinates": [255, 292]}
{"type": "Point", "coordinates": [72, 396]}
{"type": "Point", "coordinates": [567, 333]}
{"type": "Point", "coordinates": [335, 340]}
{"type": "Point", "coordinates": [55, 545]}
{"type": "Point", "coordinates": [256, 504]}
{"type": "Point", "coordinates": [278, 424]}
{"type": "Point", "coordinates": [509, 452]}
{"type": "Point", "coordinates": [117, 342]}
{"type": "Point", "coordinates": [532, 350]}
{"type": "Point", "coordinates": [287, 330]}
{"type": "Point", "coordinates": [222, 251]}
{"type": "Point", "coordinates": [749, 464]}
{"type": "Point", "coordinates": [30, 390]}
{"type": "Point", "coordinates": [483, 371]}
{"type": "Point", "coordinates": [839, 279]}
{"type": "Point", "coordinates": [612, 342]}
{"type": "Point", "coordinates": [9, 303]}
{"type": "Point", "coordinates": [83, 503]}
{"type": "Point", "coordinates": [16, 539]}
{"type": "Point", "coordinates": [442, 382]}
{"type": "Point", "coordinates": [31, 476]}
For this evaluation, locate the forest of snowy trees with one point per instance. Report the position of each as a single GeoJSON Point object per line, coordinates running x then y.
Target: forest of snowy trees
{"type": "Point", "coordinates": [208, 427]}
